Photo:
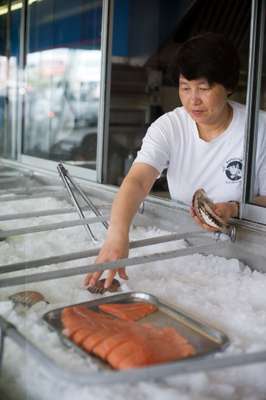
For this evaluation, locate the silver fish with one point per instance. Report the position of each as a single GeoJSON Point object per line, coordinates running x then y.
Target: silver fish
{"type": "Point", "coordinates": [203, 208]}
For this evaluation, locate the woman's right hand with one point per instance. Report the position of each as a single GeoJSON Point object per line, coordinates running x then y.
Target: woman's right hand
{"type": "Point", "coordinates": [115, 247]}
{"type": "Point", "coordinates": [132, 192]}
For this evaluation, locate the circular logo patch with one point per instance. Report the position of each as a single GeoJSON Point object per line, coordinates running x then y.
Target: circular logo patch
{"type": "Point", "coordinates": [233, 169]}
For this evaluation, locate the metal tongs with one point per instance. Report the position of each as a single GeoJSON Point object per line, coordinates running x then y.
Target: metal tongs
{"type": "Point", "coordinates": [70, 185]}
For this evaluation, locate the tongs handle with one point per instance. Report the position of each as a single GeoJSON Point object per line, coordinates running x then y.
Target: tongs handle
{"type": "Point", "coordinates": [89, 202]}
{"type": "Point", "coordinates": [68, 181]}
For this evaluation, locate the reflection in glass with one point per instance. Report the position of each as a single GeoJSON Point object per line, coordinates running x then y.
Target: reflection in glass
{"type": "Point", "coordinates": [63, 81]}
{"type": "Point", "coordinates": [259, 186]}
{"type": "Point", "coordinates": [3, 84]}
{"type": "Point", "coordinates": [9, 86]}
{"type": "Point", "coordinates": [3, 106]}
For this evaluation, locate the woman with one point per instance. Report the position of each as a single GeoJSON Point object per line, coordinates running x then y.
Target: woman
{"type": "Point", "coordinates": [200, 144]}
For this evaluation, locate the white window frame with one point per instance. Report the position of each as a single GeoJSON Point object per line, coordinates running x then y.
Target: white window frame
{"type": "Point", "coordinates": [252, 212]}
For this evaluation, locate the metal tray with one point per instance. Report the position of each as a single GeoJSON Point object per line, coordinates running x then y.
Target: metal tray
{"type": "Point", "coordinates": [203, 337]}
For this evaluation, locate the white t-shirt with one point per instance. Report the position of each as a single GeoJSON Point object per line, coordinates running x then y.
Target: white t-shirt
{"type": "Point", "coordinates": [173, 142]}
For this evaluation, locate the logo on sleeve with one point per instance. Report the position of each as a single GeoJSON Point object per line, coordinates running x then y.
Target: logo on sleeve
{"type": "Point", "coordinates": [233, 169]}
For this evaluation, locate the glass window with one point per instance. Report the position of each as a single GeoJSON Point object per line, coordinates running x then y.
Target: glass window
{"type": "Point", "coordinates": [62, 91]}
{"type": "Point", "coordinates": [14, 88]}
{"type": "Point", "coordinates": [256, 165]}
{"type": "Point", "coordinates": [259, 188]}
{"type": "Point", "coordinates": [10, 86]}
{"type": "Point", "coordinates": [146, 35]}
{"type": "Point", "coordinates": [4, 146]}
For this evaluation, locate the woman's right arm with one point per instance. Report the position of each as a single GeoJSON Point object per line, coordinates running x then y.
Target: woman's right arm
{"type": "Point", "coordinates": [135, 187]}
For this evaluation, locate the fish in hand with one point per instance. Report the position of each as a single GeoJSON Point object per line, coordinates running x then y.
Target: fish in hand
{"type": "Point", "coordinates": [99, 288]}
{"type": "Point", "coordinates": [204, 210]}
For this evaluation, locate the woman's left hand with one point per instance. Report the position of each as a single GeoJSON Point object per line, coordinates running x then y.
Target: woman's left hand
{"type": "Point", "coordinates": [225, 211]}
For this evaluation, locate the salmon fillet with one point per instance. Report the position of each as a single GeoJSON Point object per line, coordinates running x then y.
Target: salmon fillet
{"type": "Point", "coordinates": [128, 312]}
{"type": "Point", "coordinates": [150, 346]}
{"type": "Point", "coordinates": [123, 344]}
{"type": "Point", "coordinates": [71, 318]}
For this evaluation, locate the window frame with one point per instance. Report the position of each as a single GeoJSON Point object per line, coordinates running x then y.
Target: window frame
{"type": "Point", "coordinates": [248, 211]}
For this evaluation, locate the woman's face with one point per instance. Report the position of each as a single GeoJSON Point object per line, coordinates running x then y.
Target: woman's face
{"type": "Point", "coordinates": [205, 103]}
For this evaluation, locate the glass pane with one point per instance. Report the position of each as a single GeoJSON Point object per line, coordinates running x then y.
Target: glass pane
{"type": "Point", "coordinates": [63, 68]}
{"type": "Point", "coordinates": [146, 36]}
{"type": "Point", "coordinates": [10, 20]}
{"type": "Point", "coordinates": [258, 195]}
{"type": "Point", "coordinates": [3, 79]}
{"type": "Point", "coordinates": [14, 88]}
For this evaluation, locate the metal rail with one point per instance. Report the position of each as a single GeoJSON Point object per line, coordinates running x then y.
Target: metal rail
{"type": "Point", "coordinates": [10, 179]}
{"type": "Point", "coordinates": [10, 174]}
{"type": "Point", "coordinates": [45, 213]}
{"type": "Point", "coordinates": [93, 252]}
{"type": "Point", "coordinates": [32, 196]}
{"type": "Point", "coordinates": [66, 272]}
{"type": "Point", "coordinates": [48, 227]}
{"type": "Point", "coordinates": [29, 190]}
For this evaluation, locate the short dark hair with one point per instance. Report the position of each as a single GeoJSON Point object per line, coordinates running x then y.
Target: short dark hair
{"type": "Point", "coordinates": [211, 56]}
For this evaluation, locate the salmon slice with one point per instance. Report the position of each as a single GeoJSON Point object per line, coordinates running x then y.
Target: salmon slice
{"type": "Point", "coordinates": [124, 344]}
{"type": "Point", "coordinates": [124, 350]}
{"type": "Point", "coordinates": [157, 346]}
{"type": "Point", "coordinates": [98, 328]}
{"type": "Point", "coordinates": [82, 329]}
{"type": "Point", "coordinates": [104, 348]}
{"type": "Point", "coordinates": [93, 340]}
{"type": "Point", "coordinates": [128, 312]}
{"type": "Point", "coordinates": [76, 319]}
{"type": "Point", "coordinates": [72, 322]}
{"type": "Point", "coordinates": [80, 335]}
{"type": "Point", "coordinates": [126, 331]}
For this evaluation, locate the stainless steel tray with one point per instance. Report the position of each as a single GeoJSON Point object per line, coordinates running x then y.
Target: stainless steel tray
{"type": "Point", "coordinates": [203, 337]}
